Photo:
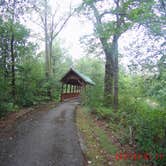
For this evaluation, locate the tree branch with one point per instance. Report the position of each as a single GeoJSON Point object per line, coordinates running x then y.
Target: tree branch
{"type": "Point", "coordinates": [63, 24]}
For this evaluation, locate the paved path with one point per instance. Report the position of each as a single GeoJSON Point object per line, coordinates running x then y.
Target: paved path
{"type": "Point", "coordinates": [44, 139]}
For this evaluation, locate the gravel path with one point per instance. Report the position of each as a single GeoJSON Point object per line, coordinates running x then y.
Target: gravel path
{"type": "Point", "coordinates": [45, 138]}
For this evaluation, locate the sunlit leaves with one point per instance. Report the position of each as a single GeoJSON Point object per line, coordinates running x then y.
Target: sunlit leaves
{"type": "Point", "coordinates": [141, 13]}
{"type": "Point", "coordinates": [88, 2]}
{"type": "Point", "coordinates": [106, 30]}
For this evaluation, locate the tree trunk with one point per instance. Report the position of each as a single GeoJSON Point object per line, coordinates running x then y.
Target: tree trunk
{"type": "Point", "coordinates": [50, 57]}
{"type": "Point", "coordinates": [4, 57]}
{"type": "Point", "coordinates": [116, 70]}
{"type": "Point", "coordinates": [13, 86]}
{"type": "Point", "coordinates": [13, 79]}
{"type": "Point", "coordinates": [47, 63]}
{"type": "Point", "coordinates": [108, 82]}
{"type": "Point", "coordinates": [50, 69]}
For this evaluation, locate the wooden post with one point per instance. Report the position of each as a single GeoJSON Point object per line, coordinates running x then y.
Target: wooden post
{"type": "Point", "coordinates": [70, 88]}
{"type": "Point", "coordinates": [73, 89]}
{"type": "Point", "coordinates": [66, 87]}
{"type": "Point", "coordinates": [62, 88]}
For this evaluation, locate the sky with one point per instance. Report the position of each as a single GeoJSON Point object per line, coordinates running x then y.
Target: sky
{"type": "Point", "coordinates": [78, 27]}
{"type": "Point", "coordinates": [70, 35]}
{"type": "Point", "coordinates": [74, 29]}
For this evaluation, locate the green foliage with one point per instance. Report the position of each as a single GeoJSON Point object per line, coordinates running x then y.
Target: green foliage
{"type": "Point", "coordinates": [103, 112]}
{"type": "Point", "coordinates": [106, 30]}
{"type": "Point", "coordinates": [136, 111]}
{"type": "Point", "coordinates": [6, 104]}
{"type": "Point", "coordinates": [88, 2]}
{"type": "Point", "coordinates": [157, 88]}
{"type": "Point", "coordinates": [93, 95]}
{"type": "Point", "coordinates": [150, 133]}
{"type": "Point", "coordinates": [30, 82]}
{"type": "Point", "coordinates": [61, 64]}
{"type": "Point", "coordinates": [7, 107]}
{"type": "Point", "coordinates": [105, 142]}
{"type": "Point", "coordinates": [146, 121]}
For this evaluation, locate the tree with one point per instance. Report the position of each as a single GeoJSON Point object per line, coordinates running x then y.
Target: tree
{"type": "Point", "coordinates": [111, 20]}
{"type": "Point", "coordinates": [14, 47]}
{"type": "Point", "coordinates": [11, 11]}
{"type": "Point", "coordinates": [51, 28]}
{"type": "Point", "coordinates": [93, 94]}
{"type": "Point", "coordinates": [61, 62]}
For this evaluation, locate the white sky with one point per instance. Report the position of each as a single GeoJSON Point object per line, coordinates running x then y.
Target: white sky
{"type": "Point", "coordinates": [76, 28]}
{"type": "Point", "coordinates": [71, 35]}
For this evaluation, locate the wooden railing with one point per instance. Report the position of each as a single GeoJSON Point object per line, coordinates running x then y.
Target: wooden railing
{"type": "Point", "coordinates": [65, 96]}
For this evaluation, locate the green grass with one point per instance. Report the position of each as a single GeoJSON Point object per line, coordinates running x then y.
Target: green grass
{"type": "Point", "coordinates": [105, 142]}
{"type": "Point", "coordinates": [99, 145]}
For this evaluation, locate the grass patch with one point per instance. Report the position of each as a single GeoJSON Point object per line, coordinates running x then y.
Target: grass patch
{"type": "Point", "coordinates": [103, 112]}
{"type": "Point", "coordinates": [93, 150]}
{"type": "Point", "coordinates": [105, 142]}
{"type": "Point", "coordinates": [100, 149]}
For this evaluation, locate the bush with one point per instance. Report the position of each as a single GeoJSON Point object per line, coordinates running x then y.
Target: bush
{"type": "Point", "coordinates": [148, 126]}
{"type": "Point", "coordinates": [6, 108]}
{"type": "Point", "coordinates": [93, 96]}
{"type": "Point", "coordinates": [150, 134]}
{"type": "Point", "coordinates": [103, 112]}
{"type": "Point", "coordinates": [147, 122]}
{"type": "Point", "coordinates": [143, 123]}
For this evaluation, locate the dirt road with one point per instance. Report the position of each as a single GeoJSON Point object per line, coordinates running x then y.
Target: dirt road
{"type": "Point", "coordinates": [44, 138]}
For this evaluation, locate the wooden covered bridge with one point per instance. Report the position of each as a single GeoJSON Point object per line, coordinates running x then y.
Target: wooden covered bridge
{"type": "Point", "coordinates": [73, 82]}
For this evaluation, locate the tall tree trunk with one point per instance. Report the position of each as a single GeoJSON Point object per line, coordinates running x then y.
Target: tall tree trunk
{"type": "Point", "coordinates": [13, 66]}
{"type": "Point", "coordinates": [51, 57]}
{"type": "Point", "coordinates": [116, 70]}
{"type": "Point", "coordinates": [108, 80]}
{"type": "Point", "coordinates": [4, 57]}
{"type": "Point", "coordinates": [13, 86]}
{"type": "Point", "coordinates": [109, 65]}
{"type": "Point", "coordinates": [50, 70]}
{"type": "Point", "coordinates": [115, 55]}
{"type": "Point", "coordinates": [47, 59]}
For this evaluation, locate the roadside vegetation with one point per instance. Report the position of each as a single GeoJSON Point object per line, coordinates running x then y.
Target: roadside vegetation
{"type": "Point", "coordinates": [138, 125]}
{"type": "Point", "coordinates": [24, 77]}
{"type": "Point", "coordinates": [129, 99]}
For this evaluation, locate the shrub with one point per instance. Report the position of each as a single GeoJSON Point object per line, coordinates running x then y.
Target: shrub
{"type": "Point", "coordinates": [103, 112]}
{"type": "Point", "coordinates": [148, 126]}
{"type": "Point", "coordinates": [147, 122]}
{"type": "Point", "coordinates": [150, 134]}
{"type": "Point", "coordinates": [6, 108]}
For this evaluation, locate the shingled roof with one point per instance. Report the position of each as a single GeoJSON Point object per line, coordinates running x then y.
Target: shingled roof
{"type": "Point", "coordinates": [81, 75]}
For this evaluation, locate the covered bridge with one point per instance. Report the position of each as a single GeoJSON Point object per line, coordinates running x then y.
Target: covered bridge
{"type": "Point", "coordinates": [73, 82]}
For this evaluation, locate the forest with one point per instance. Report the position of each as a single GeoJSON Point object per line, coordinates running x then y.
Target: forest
{"type": "Point", "coordinates": [125, 55]}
